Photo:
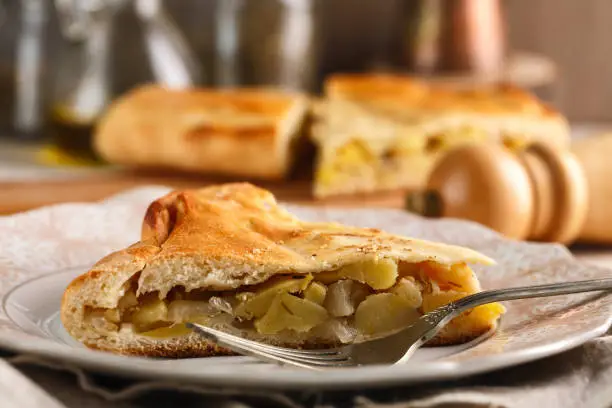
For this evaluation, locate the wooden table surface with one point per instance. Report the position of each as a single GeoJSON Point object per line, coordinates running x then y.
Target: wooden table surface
{"type": "Point", "coordinates": [16, 196]}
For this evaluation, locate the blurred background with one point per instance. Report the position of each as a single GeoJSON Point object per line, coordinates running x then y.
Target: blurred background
{"type": "Point", "coordinates": [63, 62]}
{"type": "Point", "coordinates": [557, 47]}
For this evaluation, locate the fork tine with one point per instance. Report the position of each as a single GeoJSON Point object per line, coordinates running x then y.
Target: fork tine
{"type": "Point", "coordinates": [249, 351]}
{"type": "Point", "coordinates": [328, 354]}
{"type": "Point", "coordinates": [323, 353]}
{"type": "Point", "coordinates": [274, 353]}
{"type": "Point", "coordinates": [250, 347]}
{"type": "Point", "coordinates": [304, 357]}
{"type": "Point", "coordinates": [313, 352]}
{"type": "Point", "coordinates": [310, 357]}
{"type": "Point", "coordinates": [319, 354]}
{"type": "Point", "coordinates": [321, 361]}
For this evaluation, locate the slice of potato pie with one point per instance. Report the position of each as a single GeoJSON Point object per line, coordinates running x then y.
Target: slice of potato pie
{"type": "Point", "coordinates": [229, 257]}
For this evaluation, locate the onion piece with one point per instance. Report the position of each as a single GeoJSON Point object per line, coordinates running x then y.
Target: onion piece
{"type": "Point", "coordinates": [221, 305]}
{"type": "Point", "coordinates": [338, 329]}
{"type": "Point", "coordinates": [344, 296]}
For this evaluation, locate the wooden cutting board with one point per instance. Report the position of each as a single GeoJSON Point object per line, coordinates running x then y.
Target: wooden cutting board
{"type": "Point", "coordinates": [23, 196]}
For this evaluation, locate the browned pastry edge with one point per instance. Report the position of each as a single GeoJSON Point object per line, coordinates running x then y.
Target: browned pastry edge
{"type": "Point", "coordinates": [163, 218]}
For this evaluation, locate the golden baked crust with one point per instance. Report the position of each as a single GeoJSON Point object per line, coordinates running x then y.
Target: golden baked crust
{"type": "Point", "coordinates": [246, 132]}
{"type": "Point", "coordinates": [407, 93]}
{"type": "Point", "coordinates": [396, 127]}
{"type": "Point", "coordinates": [234, 237]}
{"type": "Point", "coordinates": [379, 87]}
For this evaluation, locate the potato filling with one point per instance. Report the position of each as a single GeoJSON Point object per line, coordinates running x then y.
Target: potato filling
{"type": "Point", "coordinates": [371, 297]}
{"type": "Point", "coordinates": [355, 160]}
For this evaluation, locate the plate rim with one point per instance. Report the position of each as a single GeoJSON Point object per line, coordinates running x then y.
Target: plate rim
{"type": "Point", "coordinates": [350, 378]}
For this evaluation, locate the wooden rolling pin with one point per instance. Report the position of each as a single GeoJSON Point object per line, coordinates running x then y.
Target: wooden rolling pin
{"type": "Point", "coordinates": [540, 194]}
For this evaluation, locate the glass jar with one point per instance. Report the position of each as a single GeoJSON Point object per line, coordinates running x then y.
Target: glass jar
{"type": "Point", "coordinates": [27, 115]}
{"type": "Point", "coordinates": [81, 87]}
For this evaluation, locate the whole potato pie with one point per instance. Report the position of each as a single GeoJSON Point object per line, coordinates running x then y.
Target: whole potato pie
{"type": "Point", "coordinates": [229, 257]}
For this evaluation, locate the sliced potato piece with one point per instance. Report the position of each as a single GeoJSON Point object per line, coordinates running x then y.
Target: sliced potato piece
{"type": "Point", "coordinates": [382, 313]}
{"type": "Point", "coordinates": [276, 318]}
{"type": "Point", "coordinates": [354, 153]}
{"type": "Point", "coordinates": [112, 315]}
{"type": "Point", "coordinates": [477, 317]}
{"type": "Point", "coordinates": [432, 301]}
{"type": "Point", "coordinates": [378, 274]}
{"type": "Point", "coordinates": [258, 305]}
{"type": "Point", "coordinates": [151, 313]}
{"type": "Point", "coordinates": [290, 312]}
{"type": "Point", "coordinates": [310, 312]}
{"type": "Point", "coordinates": [409, 290]}
{"type": "Point", "coordinates": [463, 275]}
{"type": "Point", "coordinates": [315, 292]}
{"type": "Point", "coordinates": [128, 300]}
{"type": "Point", "coordinates": [484, 312]}
{"type": "Point", "coordinates": [459, 277]}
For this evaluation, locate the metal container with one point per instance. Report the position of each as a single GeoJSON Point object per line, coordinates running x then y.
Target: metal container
{"type": "Point", "coordinates": [442, 36]}
{"type": "Point", "coordinates": [267, 42]}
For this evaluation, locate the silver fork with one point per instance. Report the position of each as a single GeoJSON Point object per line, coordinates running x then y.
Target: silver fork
{"type": "Point", "coordinates": [396, 348]}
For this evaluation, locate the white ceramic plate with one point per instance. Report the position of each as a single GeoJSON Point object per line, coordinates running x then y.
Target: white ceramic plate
{"type": "Point", "coordinates": [40, 253]}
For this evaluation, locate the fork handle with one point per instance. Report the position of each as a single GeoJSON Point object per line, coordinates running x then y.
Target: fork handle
{"type": "Point", "coordinates": [526, 292]}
